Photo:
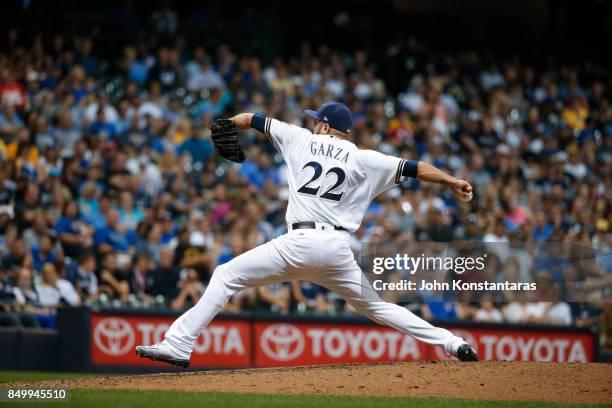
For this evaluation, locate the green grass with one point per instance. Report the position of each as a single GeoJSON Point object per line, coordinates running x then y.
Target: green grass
{"type": "Point", "coordinates": [164, 399]}
{"type": "Point", "coordinates": [151, 399]}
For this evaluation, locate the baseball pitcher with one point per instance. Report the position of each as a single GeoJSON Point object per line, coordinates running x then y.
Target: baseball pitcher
{"type": "Point", "coordinates": [331, 184]}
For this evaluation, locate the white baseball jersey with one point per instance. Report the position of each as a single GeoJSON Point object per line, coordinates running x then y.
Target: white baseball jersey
{"type": "Point", "coordinates": [330, 179]}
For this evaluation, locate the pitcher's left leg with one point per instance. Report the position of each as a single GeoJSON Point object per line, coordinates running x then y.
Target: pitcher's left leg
{"type": "Point", "coordinates": [353, 287]}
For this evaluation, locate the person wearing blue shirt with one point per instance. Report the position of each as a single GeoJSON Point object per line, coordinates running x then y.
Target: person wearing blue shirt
{"type": "Point", "coordinates": [258, 169]}
{"type": "Point", "coordinates": [72, 232]}
{"type": "Point", "coordinates": [309, 297]}
{"type": "Point", "coordinates": [100, 127]}
{"type": "Point", "coordinates": [439, 310]}
{"type": "Point", "coordinates": [215, 105]}
{"type": "Point", "coordinates": [129, 214]}
{"type": "Point", "coordinates": [542, 229]}
{"type": "Point", "coordinates": [137, 70]}
{"type": "Point", "coordinates": [199, 147]}
{"type": "Point", "coordinates": [168, 228]}
{"type": "Point", "coordinates": [43, 253]}
{"type": "Point", "coordinates": [236, 248]}
{"type": "Point", "coordinates": [111, 237]}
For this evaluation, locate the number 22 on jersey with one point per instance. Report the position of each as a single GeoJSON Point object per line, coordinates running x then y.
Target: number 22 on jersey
{"type": "Point", "coordinates": [313, 186]}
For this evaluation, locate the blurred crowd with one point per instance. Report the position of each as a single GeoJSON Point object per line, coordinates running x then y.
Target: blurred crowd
{"type": "Point", "coordinates": [111, 192]}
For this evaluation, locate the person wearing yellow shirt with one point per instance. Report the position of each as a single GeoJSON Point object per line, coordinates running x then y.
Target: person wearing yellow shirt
{"type": "Point", "coordinates": [575, 114]}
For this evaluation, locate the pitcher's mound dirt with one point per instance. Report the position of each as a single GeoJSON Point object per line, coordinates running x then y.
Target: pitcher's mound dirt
{"type": "Point", "coordinates": [554, 382]}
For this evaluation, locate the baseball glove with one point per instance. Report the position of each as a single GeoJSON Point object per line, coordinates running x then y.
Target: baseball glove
{"type": "Point", "coordinates": [225, 138]}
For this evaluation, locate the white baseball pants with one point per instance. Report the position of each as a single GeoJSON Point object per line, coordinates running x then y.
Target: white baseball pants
{"type": "Point", "coordinates": [321, 256]}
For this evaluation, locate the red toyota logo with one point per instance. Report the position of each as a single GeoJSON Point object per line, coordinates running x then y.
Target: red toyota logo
{"type": "Point", "coordinates": [114, 336]}
{"type": "Point", "coordinates": [282, 342]}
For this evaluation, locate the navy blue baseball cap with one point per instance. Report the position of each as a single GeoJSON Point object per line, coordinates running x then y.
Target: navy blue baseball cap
{"type": "Point", "coordinates": [335, 114]}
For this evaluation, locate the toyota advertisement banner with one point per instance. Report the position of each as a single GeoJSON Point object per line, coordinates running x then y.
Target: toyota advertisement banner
{"type": "Point", "coordinates": [223, 343]}
{"type": "Point", "coordinates": [288, 344]}
{"type": "Point", "coordinates": [525, 345]}
{"type": "Point", "coordinates": [243, 343]}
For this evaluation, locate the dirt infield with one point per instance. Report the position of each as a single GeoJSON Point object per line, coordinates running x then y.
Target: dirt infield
{"type": "Point", "coordinates": [554, 382]}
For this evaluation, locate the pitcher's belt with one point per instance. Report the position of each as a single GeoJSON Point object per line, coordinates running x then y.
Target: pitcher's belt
{"type": "Point", "coordinates": [315, 225]}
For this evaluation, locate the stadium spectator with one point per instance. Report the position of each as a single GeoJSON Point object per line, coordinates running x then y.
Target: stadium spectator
{"type": "Point", "coordinates": [24, 291]}
{"type": "Point", "coordinates": [44, 252]}
{"type": "Point", "coordinates": [151, 245]}
{"type": "Point", "coordinates": [197, 146]}
{"type": "Point", "coordinates": [190, 290]}
{"type": "Point", "coordinates": [515, 310]}
{"type": "Point", "coordinates": [34, 234]}
{"type": "Point", "coordinates": [83, 276]}
{"type": "Point", "coordinates": [437, 310]}
{"type": "Point", "coordinates": [26, 205]}
{"type": "Point", "coordinates": [166, 275]}
{"type": "Point", "coordinates": [557, 312]}
{"type": "Point", "coordinates": [113, 279]}
{"type": "Point", "coordinates": [74, 234]}
{"type": "Point", "coordinates": [487, 312]}
{"type": "Point", "coordinates": [17, 256]}
{"type": "Point", "coordinates": [274, 297]}
{"type": "Point", "coordinates": [236, 248]}
{"type": "Point", "coordinates": [12, 92]}
{"type": "Point", "coordinates": [129, 215]}
{"type": "Point", "coordinates": [54, 291]}
{"type": "Point", "coordinates": [141, 280]}
{"type": "Point", "coordinates": [309, 297]}
{"type": "Point", "coordinates": [114, 237]}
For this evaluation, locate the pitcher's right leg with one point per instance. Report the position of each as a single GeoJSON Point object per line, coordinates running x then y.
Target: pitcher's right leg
{"type": "Point", "coordinates": [259, 266]}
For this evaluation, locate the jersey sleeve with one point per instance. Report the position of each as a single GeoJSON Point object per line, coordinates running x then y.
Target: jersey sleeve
{"type": "Point", "coordinates": [384, 172]}
{"type": "Point", "coordinates": [283, 136]}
